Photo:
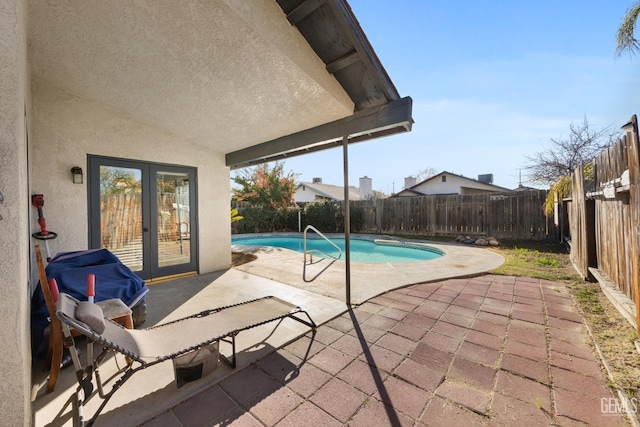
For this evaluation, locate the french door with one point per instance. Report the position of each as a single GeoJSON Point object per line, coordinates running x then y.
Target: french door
{"type": "Point", "coordinates": [145, 213]}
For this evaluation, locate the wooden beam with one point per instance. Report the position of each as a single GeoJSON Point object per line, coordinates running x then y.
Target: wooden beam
{"type": "Point", "coordinates": [387, 119]}
{"type": "Point", "coordinates": [356, 35]}
{"type": "Point", "coordinates": [303, 10]}
{"type": "Point", "coordinates": [343, 62]}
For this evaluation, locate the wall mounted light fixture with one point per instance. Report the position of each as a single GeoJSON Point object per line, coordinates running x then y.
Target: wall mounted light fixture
{"type": "Point", "coordinates": [76, 172]}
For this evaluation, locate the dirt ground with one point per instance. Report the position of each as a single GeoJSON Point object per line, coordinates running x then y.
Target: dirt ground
{"type": "Point", "coordinates": [614, 335]}
{"type": "Point", "coordinates": [239, 258]}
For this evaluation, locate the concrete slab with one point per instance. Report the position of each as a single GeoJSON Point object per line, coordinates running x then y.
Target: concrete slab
{"type": "Point", "coordinates": [318, 288]}
{"type": "Point", "coordinates": [149, 391]}
{"type": "Point", "coordinates": [327, 277]}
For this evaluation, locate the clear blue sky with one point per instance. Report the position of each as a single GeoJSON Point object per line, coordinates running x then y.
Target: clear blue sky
{"type": "Point", "coordinates": [492, 82]}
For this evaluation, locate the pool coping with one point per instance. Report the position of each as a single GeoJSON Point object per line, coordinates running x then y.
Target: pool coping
{"type": "Point", "coordinates": [380, 240]}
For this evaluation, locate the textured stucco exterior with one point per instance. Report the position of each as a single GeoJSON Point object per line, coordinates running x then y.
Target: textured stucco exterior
{"type": "Point", "coordinates": [308, 192]}
{"type": "Point", "coordinates": [217, 72]}
{"type": "Point", "coordinates": [66, 129]}
{"type": "Point", "coordinates": [449, 183]}
{"type": "Point", "coordinates": [15, 356]}
{"type": "Point", "coordinates": [155, 81]}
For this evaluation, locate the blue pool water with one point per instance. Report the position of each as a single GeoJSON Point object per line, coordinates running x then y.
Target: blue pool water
{"type": "Point", "coordinates": [361, 250]}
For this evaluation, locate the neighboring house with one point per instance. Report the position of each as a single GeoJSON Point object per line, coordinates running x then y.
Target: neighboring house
{"type": "Point", "coordinates": [316, 190]}
{"type": "Point", "coordinates": [158, 101]}
{"type": "Point", "coordinates": [521, 187]}
{"type": "Point", "coordinates": [451, 184]}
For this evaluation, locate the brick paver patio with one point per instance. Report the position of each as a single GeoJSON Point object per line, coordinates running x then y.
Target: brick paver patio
{"type": "Point", "coordinates": [490, 350]}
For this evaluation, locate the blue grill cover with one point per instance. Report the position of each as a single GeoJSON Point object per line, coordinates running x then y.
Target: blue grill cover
{"type": "Point", "coordinates": [70, 269]}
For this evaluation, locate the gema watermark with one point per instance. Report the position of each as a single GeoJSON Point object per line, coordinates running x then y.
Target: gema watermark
{"type": "Point", "coordinates": [615, 406]}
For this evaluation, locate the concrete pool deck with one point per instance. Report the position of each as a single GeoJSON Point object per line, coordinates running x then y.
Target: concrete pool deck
{"type": "Point", "coordinates": [327, 277]}
{"type": "Point", "coordinates": [152, 391]}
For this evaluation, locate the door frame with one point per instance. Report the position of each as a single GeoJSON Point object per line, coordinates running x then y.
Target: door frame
{"type": "Point", "coordinates": [150, 244]}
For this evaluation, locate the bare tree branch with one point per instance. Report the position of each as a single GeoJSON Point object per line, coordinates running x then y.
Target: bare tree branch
{"type": "Point", "coordinates": [563, 156]}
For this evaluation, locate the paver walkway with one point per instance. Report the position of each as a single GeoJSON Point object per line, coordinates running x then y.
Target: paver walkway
{"type": "Point", "coordinates": [490, 350]}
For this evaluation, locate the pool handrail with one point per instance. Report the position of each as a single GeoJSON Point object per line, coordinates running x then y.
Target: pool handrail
{"type": "Point", "coordinates": [312, 228]}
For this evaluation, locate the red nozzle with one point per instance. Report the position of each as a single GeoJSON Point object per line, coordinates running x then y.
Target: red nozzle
{"type": "Point", "coordinates": [91, 287]}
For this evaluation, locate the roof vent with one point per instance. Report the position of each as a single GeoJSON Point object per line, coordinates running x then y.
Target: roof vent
{"type": "Point", "coordinates": [486, 178]}
{"type": "Point", "coordinates": [316, 180]}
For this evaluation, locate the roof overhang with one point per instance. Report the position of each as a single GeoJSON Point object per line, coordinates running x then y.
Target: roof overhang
{"type": "Point", "coordinates": [255, 81]}
{"type": "Point", "coordinates": [334, 33]}
{"type": "Point", "coordinates": [388, 119]}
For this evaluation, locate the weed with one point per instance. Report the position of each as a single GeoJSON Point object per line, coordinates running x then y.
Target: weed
{"type": "Point", "coordinates": [548, 261]}
{"type": "Point", "coordinates": [586, 296]}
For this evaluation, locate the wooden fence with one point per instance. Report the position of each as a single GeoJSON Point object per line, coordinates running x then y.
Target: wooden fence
{"type": "Point", "coordinates": [121, 219]}
{"type": "Point", "coordinates": [512, 215]}
{"type": "Point", "coordinates": [604, 221]}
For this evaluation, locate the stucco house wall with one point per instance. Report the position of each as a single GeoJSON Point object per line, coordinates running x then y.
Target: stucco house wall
{"type": "Point", "coordinates": [437, 186]}
{"type": "Point", "coordinates": [15, 356]}
{"type": "Point", "coordinates": [448, 183]}
{"type": "Point", "coordinates": [308, 192]}
{"type": "Point", "coordinates": [153, 82]}
{"type": "Point", "coordinates": [67, 128]}
{"type": "Point", "coordinates": [305, 194]}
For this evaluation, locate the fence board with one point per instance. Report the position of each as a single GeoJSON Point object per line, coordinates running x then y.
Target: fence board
{"type": "Point", "coordinates": [503, 216]}
{"type": "Point", "coordinates": [616, 218]}
{"type": "Point", "coordinates": [577, 222]}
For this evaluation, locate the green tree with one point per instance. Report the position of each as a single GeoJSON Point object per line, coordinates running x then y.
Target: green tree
{"type": "Point", "coordinates": [265, 186]}
{"type": "Point", "coordinates": [626, 41]}
{"type": "Point", "coordinates": [115, 181]}
{"type": "Point", "coordinates": [564, 155]}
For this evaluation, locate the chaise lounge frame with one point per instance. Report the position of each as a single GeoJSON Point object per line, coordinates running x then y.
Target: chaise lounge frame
{"type": "Point", "coordinates": [147, 347]}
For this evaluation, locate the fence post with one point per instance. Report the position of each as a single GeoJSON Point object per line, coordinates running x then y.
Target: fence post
{"type": "Point", "coordinates": [634, 197]}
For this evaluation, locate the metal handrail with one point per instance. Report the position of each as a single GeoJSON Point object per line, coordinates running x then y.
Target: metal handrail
{"type": "Point", "coordinates": [312, 228]}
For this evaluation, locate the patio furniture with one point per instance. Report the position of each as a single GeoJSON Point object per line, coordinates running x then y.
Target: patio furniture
{"type": "Point", "coordinates": [70, 270]}
{"type": "Point", "coordinates": [168, 341]}
{"type": "Point", "coordinates": [112, 308]}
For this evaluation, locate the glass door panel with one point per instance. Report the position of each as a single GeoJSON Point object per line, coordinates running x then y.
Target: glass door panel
{"type": "Point", "coordinates": [174, 223]}
{"type": "Point", "coordinates": [121, 214]}
{"type": "Point", "coordinates": [144, 213]}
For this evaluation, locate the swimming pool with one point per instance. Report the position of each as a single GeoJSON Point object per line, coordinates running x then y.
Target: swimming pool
{"type": "Point", "coordinates": [373, 251]}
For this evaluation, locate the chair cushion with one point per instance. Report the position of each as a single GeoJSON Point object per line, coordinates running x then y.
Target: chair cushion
{"type": "Point", "coordinates": [91, 314]}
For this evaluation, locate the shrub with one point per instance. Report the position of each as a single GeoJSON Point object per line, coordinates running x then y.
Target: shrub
{"type": "Point", "coordinates": [322, 215]}
{"type": "Point", "coordinates": [263, 220]}
{"type": "Point", "coordinates": [326, 216]}
{"type": "Point", "coordinates": [356, 216]}
{"type": "Point", "coordinates": [256, 220]}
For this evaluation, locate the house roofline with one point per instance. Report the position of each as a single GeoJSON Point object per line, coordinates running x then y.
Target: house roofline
{"type": "Point", "coordinates": [335, 35]}
{"type": "Point", "coordinates": [460, 176]}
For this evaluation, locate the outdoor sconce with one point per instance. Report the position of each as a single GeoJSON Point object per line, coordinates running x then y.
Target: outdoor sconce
{"type": "Point", "coordinates": [76, 172]}
{"type": "Point", "coordinates": [628, 127]}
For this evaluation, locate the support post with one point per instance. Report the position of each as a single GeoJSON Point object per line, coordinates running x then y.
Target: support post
{"type": "Point", "coordinates": [631, 128]}
{"type": "Point", "coordinates": [347, 221]}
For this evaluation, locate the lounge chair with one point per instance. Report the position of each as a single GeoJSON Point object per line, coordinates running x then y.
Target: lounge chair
{"type": "Point", "coordinates": [169, 341]}
{"type": "Point", "coordinates": [113, 309]}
